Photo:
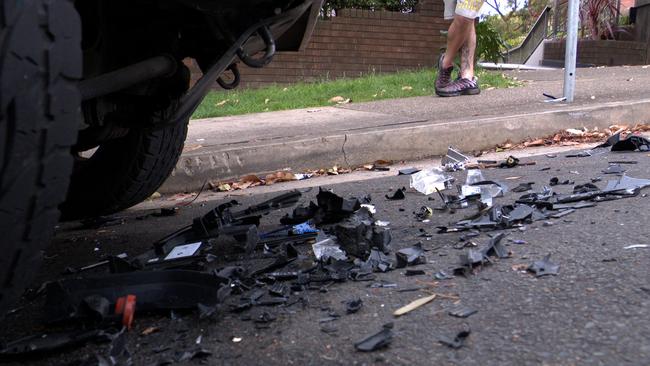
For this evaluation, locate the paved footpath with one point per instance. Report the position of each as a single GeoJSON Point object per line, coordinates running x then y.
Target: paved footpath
{"type": "Point", "coordinates": [407, 129]}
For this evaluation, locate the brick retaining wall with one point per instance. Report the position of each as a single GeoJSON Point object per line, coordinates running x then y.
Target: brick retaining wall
{"type": "Point", "coordinates": [602, 52]}
{"type": "Point", "coordinates": [356, 42]}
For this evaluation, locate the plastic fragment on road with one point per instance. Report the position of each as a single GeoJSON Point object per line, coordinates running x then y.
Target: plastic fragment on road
{"type": "Point", "coordinates": [407, 171]}
{"type": "Point", "coordinates": [354, 305]}
{"type": "Point", "coordinates": [462, 311]}
{"type": "Point", "coordinates": [523, 187]}
{"type": "Point", "coordinates": [414, 305]}
{"type": "Point", "coordinates": [496, 248]}
{"type": "Point", "coordinates": [182, 251]}
{"type": "Point", "coordinates": [357, 234]}
{"type": "Point", "coordinates": [442, 275]}
{"type": "Point", "coordinates": [457, 342]}
{"type": "Point", "coordinates": [614, 169]}
{"type": "Point", "coordinates": [625, 183]}
{"type": "Point", "coordinates": [378, 261]}
{"type": "Point", "coordinates": [414, 272]}
{"type": "Point", "coordinates": [50, 342]}
{"type": "Point", "coordinates": [637, 246]}
{"type": "Point", "coordinates": [327, 248]}
{"type": "Point", "coordinates": [429, 180]}
{"type": "Point", "coordinates": [398, 195]}
{"type": "Point", "coordinates": [376, 341]}
{"type": "Point", "coordinates": [544, 267]}
{"type": "Point", "coordinates": [410, 256]}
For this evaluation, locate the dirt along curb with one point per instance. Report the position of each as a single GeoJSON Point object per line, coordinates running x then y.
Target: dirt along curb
{"type": "Point", "coordinates": [404, 141]}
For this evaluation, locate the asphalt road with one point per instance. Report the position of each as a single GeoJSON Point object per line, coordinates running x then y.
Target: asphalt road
{"type": "Point", "coordinates": [596, 311]}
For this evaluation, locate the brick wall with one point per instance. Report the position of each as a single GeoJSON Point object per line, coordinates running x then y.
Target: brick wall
{"type": "Point", "coordinates": [357, 42]}
{"type": "Point", "coordinates": [602, 52]}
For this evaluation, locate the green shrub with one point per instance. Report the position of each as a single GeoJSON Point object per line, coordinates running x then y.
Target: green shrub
{"type": "Point", "coordinates": [489, 44]}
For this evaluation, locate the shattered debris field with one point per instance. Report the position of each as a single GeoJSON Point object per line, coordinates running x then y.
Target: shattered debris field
{"type": "Point", "coordinates": [443, 284]}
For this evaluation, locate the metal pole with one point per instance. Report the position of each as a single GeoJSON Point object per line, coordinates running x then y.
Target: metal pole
{"type": "Point", "coordinates": [571, 50]}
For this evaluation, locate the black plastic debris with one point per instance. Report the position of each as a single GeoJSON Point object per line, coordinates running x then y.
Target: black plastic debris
{"type": "Point", "coordinates": [496, 248]}
{"type": "Point", "coordinates": [207, 311]}
{"type": "Point", "coordinates": [614, 169]}
{"type": "Point", "coordinates": [47, 343]}
{"type": "Point", "coordinates": [457, 342]}
{"type": "Point", "coordinates": [154, 291]}
{"type": "Point", "coordinates": [195, 354]}
{"type": "Point", "coordinates": [544, 267]}
{"type": "Point", "coordinates": [378, 261]}
{"type": "Point", "coordinates": [410, 256]}
{"type": "Point", "coordinates": [470, 259]}
{"type": "Point", "coordinates": [523, 187]}
{"type": "Point", "coordinates": [383, 284]}
{"type": "Point", "coordinates": [408, 171]}
{"type": "Point", "coordinates": [580, 154]}
{"type": "Point", "coordinates": [462, 311]}
{"type": "Point", "coordinates": [118, 352]}
{"type": "Point", "coordinates": [555, 181]}
{"type": "Point", "coordinates": [376, 341]}
{"type": "Point", "coordinates": [354, 305]}
{"type": "Point", "coordinates": [398, 195]}
{"type": "Point", "coordinates": [631, 143]}
{"type": "Point", "coordinates": [562, 213]}
{"type": "Point", "coordinates": [357, 235]}
{"type": "Point", "coordinates": [584, 188]}
{"type": "Point", "coordinates": [414, 272]}
{"type": "Point", "coordinates": [626, 183]}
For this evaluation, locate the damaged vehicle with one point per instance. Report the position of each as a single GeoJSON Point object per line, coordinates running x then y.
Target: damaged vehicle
{"type": "Point", "coordinates": [96, 98]}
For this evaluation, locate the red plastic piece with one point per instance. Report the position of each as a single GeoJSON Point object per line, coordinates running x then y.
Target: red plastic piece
{"type": "Point", "coordinates": [125, 305]}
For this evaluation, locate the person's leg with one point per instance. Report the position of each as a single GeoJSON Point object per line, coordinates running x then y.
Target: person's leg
{"type": "Point", "coordinates": [459, 33]}
{"type": "Point", "coordinates": [467, 56]}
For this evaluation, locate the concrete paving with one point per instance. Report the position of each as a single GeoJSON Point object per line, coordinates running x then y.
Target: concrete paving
{"type": "Point", "coordinates": [409, 128]}
{"type": "Point", "coordinates": [594, 312]}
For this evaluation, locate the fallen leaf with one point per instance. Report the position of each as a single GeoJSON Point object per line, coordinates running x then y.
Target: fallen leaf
{"type": "Point", "coordinates": [407, 87]}
{"type": "Point", "coordinates": [336, 99]}
{"type": "Point", "coordinates": [538, 142]}
{"type": "Point", "coordinates": [267, 100]}
{"type": "Point", "coordinates": [520, 267]}
{"type": "Point", "coordinates": [221, 103]}
{"type": "Point", "coordinates": [278, 177]}
{"type": "Point", "coordinates": [149, 330]}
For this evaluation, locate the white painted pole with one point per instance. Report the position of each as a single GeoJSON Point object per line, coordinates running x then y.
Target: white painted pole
{"type": "Point", "coordinates": [571, 51]}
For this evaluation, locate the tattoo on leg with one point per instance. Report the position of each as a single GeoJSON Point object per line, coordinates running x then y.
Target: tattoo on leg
{"type": "Point", "coordinates": [464, 59]}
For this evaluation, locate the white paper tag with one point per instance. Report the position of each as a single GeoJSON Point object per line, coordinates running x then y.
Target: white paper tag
{"type": "Point", "coordinates": [181, 251]}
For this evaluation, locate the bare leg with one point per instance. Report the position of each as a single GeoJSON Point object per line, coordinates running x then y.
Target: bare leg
{"type": "Point", "coordinates": [467, 56]}
{"type": "Point", "coordinates": [459, 32]}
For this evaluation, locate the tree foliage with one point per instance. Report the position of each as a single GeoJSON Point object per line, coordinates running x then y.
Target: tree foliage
{"type": "Point", "coordinates": [402, 6]}
{"type": "Point", "coordinates": [514, 18]}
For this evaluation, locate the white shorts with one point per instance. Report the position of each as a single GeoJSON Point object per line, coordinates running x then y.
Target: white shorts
{"type": "Point", "coordinates": [467, 8]}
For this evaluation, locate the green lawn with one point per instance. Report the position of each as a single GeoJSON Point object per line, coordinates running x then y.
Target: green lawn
{"type": "Point", "coordinates": [305, 95]}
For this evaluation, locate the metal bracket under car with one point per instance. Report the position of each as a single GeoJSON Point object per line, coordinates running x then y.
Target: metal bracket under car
{"type": "Point", "coordinates": [190, 101]}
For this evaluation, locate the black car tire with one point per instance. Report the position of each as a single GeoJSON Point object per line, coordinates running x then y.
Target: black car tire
{"type": "Point", "coordinates": [123, 172]}
{"type": "Point", "coordinates": [40, 65]}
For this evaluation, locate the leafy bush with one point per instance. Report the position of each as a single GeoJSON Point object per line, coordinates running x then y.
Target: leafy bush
{"type": "Point", "coordinates": [489, 44]}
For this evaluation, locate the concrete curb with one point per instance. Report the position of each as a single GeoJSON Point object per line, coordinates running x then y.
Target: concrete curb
{"type": "Point", "coordinates": [400, 143]}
